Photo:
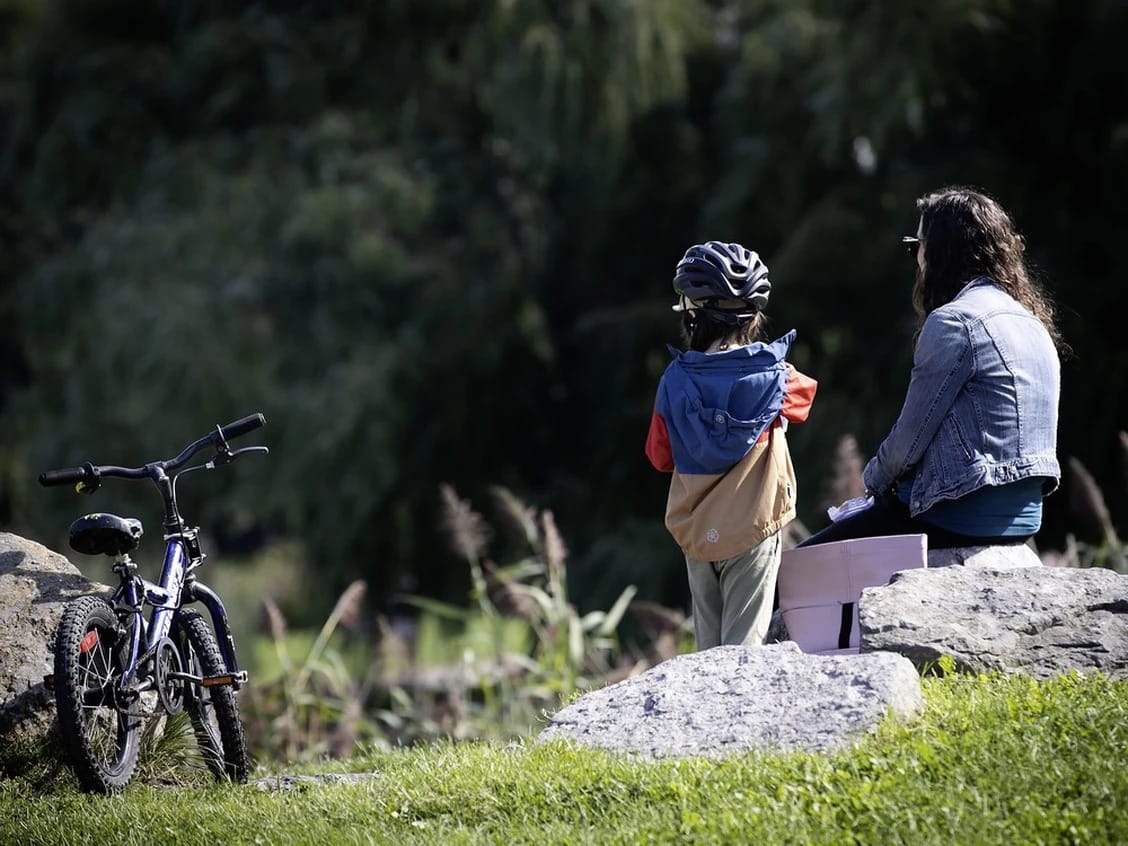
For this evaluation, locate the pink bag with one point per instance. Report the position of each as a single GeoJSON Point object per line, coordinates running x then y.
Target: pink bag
{"type": "Point", "coordinates": [819, 586]}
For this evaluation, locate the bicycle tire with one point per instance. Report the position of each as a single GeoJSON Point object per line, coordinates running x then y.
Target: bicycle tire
{"type": "Point", "coordinates": [213, 711]}
{"type": "Point", "coordinates": [100, 728]}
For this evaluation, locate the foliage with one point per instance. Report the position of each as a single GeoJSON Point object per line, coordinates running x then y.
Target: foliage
{"type": "Point", "coordinates": [433, 242]}
{"type": "Point", "coordinates": [569, 651]}
{"type": "Point", "coordinates": [520, 647]}
{"type": "Point", "coordinates": [37, 760]}
{"type": "Point", "coordinates": [315, 707]}
{"type": "Point", "coordinates": [992, 759]}
{"type": "Point", "coordinates": [567, 646]}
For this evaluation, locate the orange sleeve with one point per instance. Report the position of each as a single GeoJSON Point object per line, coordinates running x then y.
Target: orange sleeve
{"type": "Point", "coordinates": [658, 445]}
{"type": "Point", "coordinates": [799, 395]}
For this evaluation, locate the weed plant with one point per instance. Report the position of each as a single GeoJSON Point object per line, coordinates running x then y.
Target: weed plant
{"type": "Point", "coordinates": [520, 647]}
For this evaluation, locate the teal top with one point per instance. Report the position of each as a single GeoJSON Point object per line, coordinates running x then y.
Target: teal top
{"type": "Point", "coordinates": [992, 511]}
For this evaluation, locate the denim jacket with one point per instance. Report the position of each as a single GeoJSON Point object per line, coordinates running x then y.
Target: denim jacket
{"type": "Point", "coordinates": [982, 403]}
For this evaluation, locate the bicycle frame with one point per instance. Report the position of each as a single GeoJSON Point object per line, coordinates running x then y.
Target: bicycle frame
{"type": "Point", "coordinates": [177, 587]}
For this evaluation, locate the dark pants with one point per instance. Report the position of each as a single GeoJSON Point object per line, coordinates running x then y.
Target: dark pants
{"type": "Point", "coordinates": [889, 516]}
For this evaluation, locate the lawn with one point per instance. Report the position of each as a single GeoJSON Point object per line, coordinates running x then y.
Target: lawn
{"type": "Point", "coordinates": [991, 760]}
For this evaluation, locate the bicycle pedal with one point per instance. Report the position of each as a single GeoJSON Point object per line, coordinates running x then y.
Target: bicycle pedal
{"type": "Point", "coordinates": [238, 678]}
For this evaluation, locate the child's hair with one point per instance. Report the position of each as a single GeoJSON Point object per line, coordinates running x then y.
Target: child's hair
{"type": "Point", "coordinates": [700, 331]}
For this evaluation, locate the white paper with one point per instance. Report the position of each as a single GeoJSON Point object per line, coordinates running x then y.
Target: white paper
{"type": "Point", "coordinates": [856, 505]}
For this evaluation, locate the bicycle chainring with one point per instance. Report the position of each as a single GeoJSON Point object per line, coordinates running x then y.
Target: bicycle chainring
{"type": "Point", "coordinates": [167, 669]}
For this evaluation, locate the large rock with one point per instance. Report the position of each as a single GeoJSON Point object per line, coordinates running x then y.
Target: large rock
{"type": "Point", "coordinates": [989, 608]}
{"type": "Point", "coordinates": [35, 584]}
{"type": "Point", "coordinates": [999, 557]}
{"type": "Point", "coordinates": [996, 556]}
{"type": "Point", "coordinates": [1041, 621]}
{"type": "Point", "coordinates": [731, 699]}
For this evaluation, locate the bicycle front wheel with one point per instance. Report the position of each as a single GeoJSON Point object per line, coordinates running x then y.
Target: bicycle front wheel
{"type": "Point", "coordinates": [100, 724]}
{"type": "Point", "coordinates": [214, 711]}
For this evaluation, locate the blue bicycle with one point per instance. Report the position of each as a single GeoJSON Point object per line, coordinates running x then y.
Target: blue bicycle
{"type": "Point", "coordinates": [112, 664]}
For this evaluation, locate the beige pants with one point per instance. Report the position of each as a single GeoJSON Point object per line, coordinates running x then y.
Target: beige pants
{"type": "Point", "coordinates": [732, 599]}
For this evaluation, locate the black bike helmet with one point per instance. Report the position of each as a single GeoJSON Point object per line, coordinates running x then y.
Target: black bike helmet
{"type": "Point", "coordinates": [727, 281]}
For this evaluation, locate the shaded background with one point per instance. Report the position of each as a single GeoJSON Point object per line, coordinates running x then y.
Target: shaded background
{"type": "Point", "coordinates": [433, 242]}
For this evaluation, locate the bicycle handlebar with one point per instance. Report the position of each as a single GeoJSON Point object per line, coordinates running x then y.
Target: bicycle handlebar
{"type": "Point", "coordinates": [241, 427]}
{"type": "Point", "coordinates": [89, 472]}
{"type": "Point", "coordinates": [66, 476]}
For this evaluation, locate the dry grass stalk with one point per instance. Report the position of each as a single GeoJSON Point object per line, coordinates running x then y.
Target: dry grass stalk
{"type": "Point", "coordinates": [523, 518]}
{"type": "Point", "coordinates": [1123, 437]}
{"type": "Point", "coordinates": [273, 623]}
{"type": "Point", "coordinates": [393, 650]}
{"type": "Point", "coordinates": [506, 594]}
{"type": "Point", "coordinates": [350, 606]}
{"type": "Point", "coordinates": [555, 552]}
{"type": "Point", "coordinates": [1087, 504]}
{"type": "Point", "coordinates": [465, 528]}
{"type": "Point", "coordinates": [845, 481]}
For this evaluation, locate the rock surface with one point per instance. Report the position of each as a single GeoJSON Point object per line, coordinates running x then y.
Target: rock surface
{"type": "Point", "coordinates": [35, 584]}
{"type": "Point", "coordinates": [298, 783]}
{"type": "Point", "coordinates": [732, 699]}
{"type": "Point", "coordinates": [999, 557]}
{"type": "Point", "coordinates": [1041, 621]}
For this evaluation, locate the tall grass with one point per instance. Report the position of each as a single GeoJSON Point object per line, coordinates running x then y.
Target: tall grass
{"type": "Point", "coordinates": [521, 647]}
{"type": "Point", "coordinates": [315, 704]}
{"type": "Point", "coordinates": [1091, 514]}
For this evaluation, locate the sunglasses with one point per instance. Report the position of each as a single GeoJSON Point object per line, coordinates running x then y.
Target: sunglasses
{"type": "Point", "coordinates": [911, 244]}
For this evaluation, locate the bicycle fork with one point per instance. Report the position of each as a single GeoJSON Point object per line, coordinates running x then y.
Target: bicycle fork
{"type": "Point", "coordinates": [195, 591]}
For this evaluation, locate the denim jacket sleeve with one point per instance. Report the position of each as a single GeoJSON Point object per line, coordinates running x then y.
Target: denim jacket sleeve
{"type": "Point", "coordinates": [942, 365]}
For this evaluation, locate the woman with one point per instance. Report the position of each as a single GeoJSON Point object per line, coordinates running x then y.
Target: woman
{"type": "Point", "coordinates": [974, 448]}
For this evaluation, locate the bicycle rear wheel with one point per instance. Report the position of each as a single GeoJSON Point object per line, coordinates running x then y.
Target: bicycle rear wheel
{"type": "Point", "coordinates": [214, 711]}
{"type": "Point", "coordinates": [100, 724]}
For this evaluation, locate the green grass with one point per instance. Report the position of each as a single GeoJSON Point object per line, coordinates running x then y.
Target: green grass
{"type": "Point", "coordinates": [992, 760]}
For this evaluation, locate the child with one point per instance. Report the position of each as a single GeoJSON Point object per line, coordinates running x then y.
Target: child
{"type": "Point", "coordinates": [718, 425]}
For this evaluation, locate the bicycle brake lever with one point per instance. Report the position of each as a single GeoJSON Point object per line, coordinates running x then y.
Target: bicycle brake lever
{"type": "Point", "coordinates": [223, 456]}
{"type": "Point", "coordinates": [249, 449]}
{"type": "Point", "coordinates": [226, 456]}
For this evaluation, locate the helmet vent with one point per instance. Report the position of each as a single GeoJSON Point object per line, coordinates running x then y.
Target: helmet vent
{"type": "Point", "coordinates": [716, 270]}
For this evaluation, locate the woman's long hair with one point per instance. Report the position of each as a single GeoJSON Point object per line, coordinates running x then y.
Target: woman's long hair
{"type": "Point", "coordinates": [967, 234]}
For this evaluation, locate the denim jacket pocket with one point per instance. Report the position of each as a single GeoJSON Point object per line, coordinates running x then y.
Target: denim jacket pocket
{"type": "Point", "coordinates": [954, 441]}
{"type": "Point", "coordinates": [946, 462]}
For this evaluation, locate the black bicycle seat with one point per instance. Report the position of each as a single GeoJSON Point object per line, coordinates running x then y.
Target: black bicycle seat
{"type": "Point", "coordinates": [105, 534]}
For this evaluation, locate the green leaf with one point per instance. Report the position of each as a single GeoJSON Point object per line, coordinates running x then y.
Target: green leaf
{"type": "Point", "coordinates": [615, 615]}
